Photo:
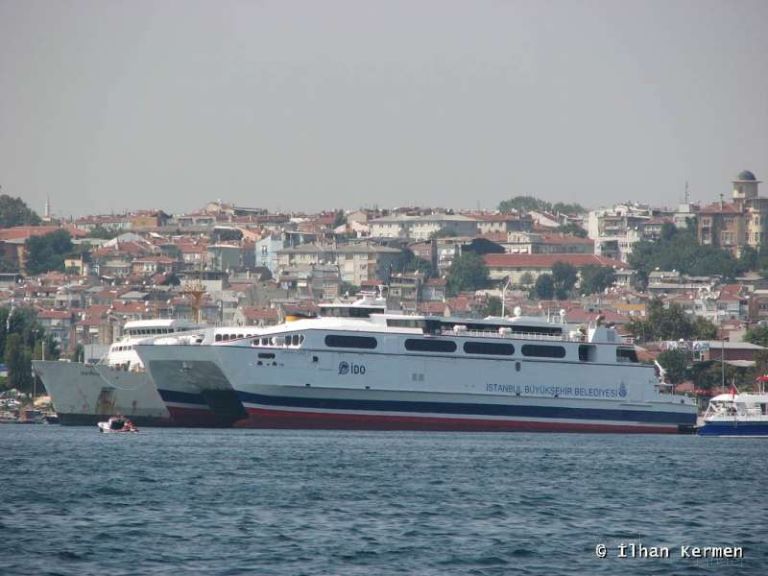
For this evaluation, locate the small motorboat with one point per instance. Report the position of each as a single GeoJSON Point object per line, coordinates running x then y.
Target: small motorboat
{"type": "Point", "coordinates": [737, 414]}
{"type": "Point", "coordinates": [117, 424]}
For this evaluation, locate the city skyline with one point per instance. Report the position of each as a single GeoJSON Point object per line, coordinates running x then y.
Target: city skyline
{"type": "Point", "coordinates": [121, 107]}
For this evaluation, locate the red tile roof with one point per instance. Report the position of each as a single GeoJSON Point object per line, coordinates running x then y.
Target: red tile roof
{"type": "Point", "coordinates": [548, 260]}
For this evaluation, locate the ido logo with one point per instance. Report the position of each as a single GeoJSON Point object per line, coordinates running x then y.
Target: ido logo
{"type": "Point", "coordinates": [351, 368]}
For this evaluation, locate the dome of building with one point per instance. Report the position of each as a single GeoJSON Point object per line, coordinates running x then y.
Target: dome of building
{"type": "Point", "coordinates": [746, 175]}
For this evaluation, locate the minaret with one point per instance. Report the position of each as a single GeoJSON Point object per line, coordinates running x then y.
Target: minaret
{"type": "Point", "coordinates": [47, 211]}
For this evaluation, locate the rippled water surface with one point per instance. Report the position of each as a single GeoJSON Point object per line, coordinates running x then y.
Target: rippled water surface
{"type": "Point", "coordinates": [73, 501]}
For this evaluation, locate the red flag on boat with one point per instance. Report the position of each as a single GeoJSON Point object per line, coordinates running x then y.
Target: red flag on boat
{"type": "Point", "coordinates": [733, 391]}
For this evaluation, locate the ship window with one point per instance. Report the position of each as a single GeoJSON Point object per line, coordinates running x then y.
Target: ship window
{"type": "Point", "coordinates": [339, 341]}
{"type": "Point", "coordinates": [492, 348]}
{"type": "Point", "coordinates": [587, 353]}
{"type": "Point", "coordinates": [423, 345]}
{"type": "Point", "coordinates": [542, 351]}
{"type": "Point", "coordinates": [218, 338]}
{"type": "Point", "coordinates": [626, 355]}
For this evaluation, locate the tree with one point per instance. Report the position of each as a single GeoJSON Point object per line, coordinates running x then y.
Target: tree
{"type": "Point", "coordinates": [529, 203]}
{"type": "Point", "coordinates": [757, 335]}
{"type": "Point", "coordinates": [467, 272]}
{"type": "Point", "coordinates": [47, 252]}
{"type": "Point", "coordinates": [522, 204]}
{"type": "Point", "coordinates": [14, 212]}
{"type": "Point", "coordinates": [595, 279]}
{"type": "Point", "coordinates": [662, 324]}
{"type": "Point", "coordinates": [492, 306]}
{"type": "Point", "coordinates": [99, 231]}
{"type": "Point", "coordinates": [675, 363]}
{"type": "Point", "coordinates": [572, 229]}
{"type": "Point", "coordinates": [679, 250]}
{"type": "Point", "coordinates": [564, 278]}
{"type": "Point", "coordinates": [339, 218]}
{"type": "Point", "coordinates": [19, 363]}
{"type": "Point", "coordinates": [526, 279]}
{"type": "Point", "coordinates": [704, 329]}
{"type": "Point", "coordinates": [409, 262]}
{"type": "Point", "coordinates": [544, 288]}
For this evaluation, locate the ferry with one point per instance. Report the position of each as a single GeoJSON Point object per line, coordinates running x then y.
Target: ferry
{"type": "Point", "coordinates": [193, 389]}
{"type": "Point", "coordinates": [737, 414]}
{"type": "Point", "coordinates": [361, 367]}
{"type": "Point", "coordinates": [86, 393]}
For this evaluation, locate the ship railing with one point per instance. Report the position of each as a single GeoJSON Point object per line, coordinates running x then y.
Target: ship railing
{"type": "Point", "coordinates": [509, 335]}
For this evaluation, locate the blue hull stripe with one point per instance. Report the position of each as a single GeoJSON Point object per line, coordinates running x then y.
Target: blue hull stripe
{"type": "Point", "coordinates": [543, 412]}
{"type": "Point", "coordinates": [734, 429]}
{"type": "Point", "coordinates": [182, 397]}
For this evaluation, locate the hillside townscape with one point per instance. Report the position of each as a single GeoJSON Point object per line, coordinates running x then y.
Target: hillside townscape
{"type": "Point", "coordinates": [687, 284]}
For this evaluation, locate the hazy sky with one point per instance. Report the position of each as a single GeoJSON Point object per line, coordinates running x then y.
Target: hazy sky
{"type": "Point", "coordinates": [108, 106]}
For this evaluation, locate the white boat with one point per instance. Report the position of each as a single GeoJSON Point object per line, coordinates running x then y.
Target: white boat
{"type": "Point", "coordinates": [84, 393]}
{"type": "Point", "coordinates": [117, 424]}
{"type": "Point", "coordinates": [737, 414]}
{"type": "Point", "coordinates": [367, 369]}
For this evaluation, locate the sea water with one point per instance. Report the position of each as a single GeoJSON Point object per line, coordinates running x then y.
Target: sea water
{"type": "Point", "coordinates": [228, 502]}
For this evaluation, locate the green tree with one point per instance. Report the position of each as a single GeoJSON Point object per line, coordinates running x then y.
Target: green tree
{"type": "Point", "coordinates": [522, 204]}
{"type": "Point", "coordinates": [526, 279]}
{"type": "Point", "coordinates": [564, 278]}
{"type": "Point", "coordinates": [662, 324]}
{"type": "Point", "coordinates": [409, 262]}
{"type": "Point", "coordinates": [339, 218]}
{"type": "Point", "coordinates": [14, 212]}
{"type": "Point", "coordinates": [675, 363]}
{"type": "Point", "coordinates": [757, 335]}
{"type": "Point", "coordinates": [19, 363]}
{"type": "Point", "coordinates": [544, 287]}
{"type": "Point", "coordinates": [567, 208]}
{"type": "Point", "coordinates": [572, 229]}
{"type": "Point", "coordinates": [679, 250]}
{"type": "Point", "coordinates": [492, 306]}
{"type": "Point", "coordinates": [704, 329]}
{"type": "Point", "coordinates": [529, 203]}
{"type": "Point", "coordinates": [595, 279]}
{"type": "Point", "coordinates": [99, 231]}
{"type": "Point", "coordinates": [47, 252]}
{"type": "Point", "coordinates": [467, 272]}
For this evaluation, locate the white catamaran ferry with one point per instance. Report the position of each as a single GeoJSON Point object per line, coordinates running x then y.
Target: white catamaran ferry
{"type": "Point", "coordinates": [84, 394]}
{"type": "Point", "coordinates": [360, 367]}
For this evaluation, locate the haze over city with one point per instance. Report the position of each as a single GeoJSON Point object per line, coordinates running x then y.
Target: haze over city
{"type": "Point", "coordinates": [110, 106]}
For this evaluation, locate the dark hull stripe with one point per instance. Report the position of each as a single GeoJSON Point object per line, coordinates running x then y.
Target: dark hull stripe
{"type": "Point", "coordinates": [183, 397]}
{"type": "Point", "coordinates": [467, 409]}
{"type": "Point", "coordinates": [286, 419]}
{"type": "Point", "coordinates": [734, 429]}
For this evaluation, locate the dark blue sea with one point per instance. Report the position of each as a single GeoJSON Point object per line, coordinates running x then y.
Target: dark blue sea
{"type": "Point", "coordinates": [229, 502]}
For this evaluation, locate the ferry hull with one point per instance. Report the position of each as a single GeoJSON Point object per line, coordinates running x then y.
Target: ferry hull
{"type": "Point", "coordinates": [744, 429]}
{"type": "Point", "coordinates": [85, 394]}
{"type": "Point", "coordinates": [338, 409]}
{"type": "Point", "coordinates": [195, 392]}
{"type": "Point", "coordinates": [287, 419]}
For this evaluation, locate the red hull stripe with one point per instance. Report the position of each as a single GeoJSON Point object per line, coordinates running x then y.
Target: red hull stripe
{"type": "Point", "coordinates": [266, 418]}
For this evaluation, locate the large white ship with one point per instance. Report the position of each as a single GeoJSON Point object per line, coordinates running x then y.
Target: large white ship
{"type": "Point", "coordinates": [365, 369]}
{"type": "Point", "coordinates": [84, 393]}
